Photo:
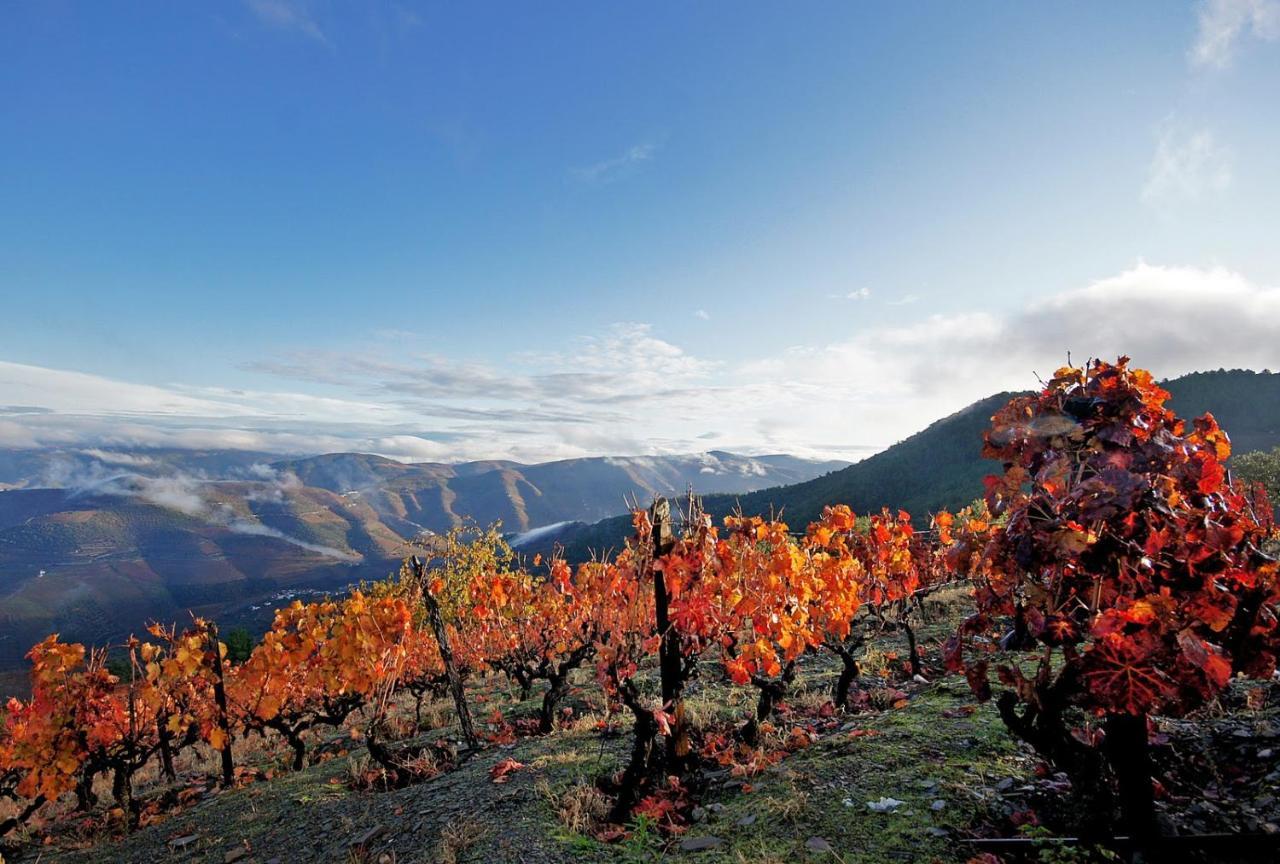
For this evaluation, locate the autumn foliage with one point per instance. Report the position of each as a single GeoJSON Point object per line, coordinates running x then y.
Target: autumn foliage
{"type": "Point", "coordinates": [1116, 574]}
{"type": "Point", "coordinates": [1124, 559]}
{"type": "Point", "coordinates": [753, 599]}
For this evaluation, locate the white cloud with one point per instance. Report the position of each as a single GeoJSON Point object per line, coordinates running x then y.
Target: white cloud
{"type": "Point", "coordinates": [187, 494]}
{"type": "Point", "coordinates": [702, 314]}
{"type": "Point", "coordinates": [856, 294]}
{"type": "Point", "coordinates": [175, 492]}
{"type": "Point", "coordinates": [1186, 167]}
{"type": "Point", "coordinates": [628, 391]}
{"type": "Point", "coordinates": [63, 390]}
{"type": "Point", "coordinates": [616, 167]}
{"type": "Point", "coordinates": [1223, 22]}
{"type": "Point", "coordinates": [239, 525]}
{"type": "Point", "coordinates": [292, 15]}
{"type": "Point", "coordinates": [178, 491]}
{"type": "Point", "coordinates": [107, 457]}
{"type": "Point", "coordinates": [884, 384]}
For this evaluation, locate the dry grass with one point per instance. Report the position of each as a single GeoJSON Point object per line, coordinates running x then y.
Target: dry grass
{"type": "Point", "coordinates": [457, 837]}
{"type": "Point", "coordinates": [874, 662]}
{"type": "Point", "coordinates": [579, 808]}
{"type": "Point", "coordinates": [425, 764]}
{"type": "Point", "coordinates": [568, 756]}
{"type": "Point", "coordinates": [790, 805]}
{"type": "Point", "coordinates": [809, 699]}
{"type": "Point", "coordinates": [710, 706]}
{"type": "Point", "coordinates": [435, 713]}
{"type": "Point", "coordinates": [760, 856]}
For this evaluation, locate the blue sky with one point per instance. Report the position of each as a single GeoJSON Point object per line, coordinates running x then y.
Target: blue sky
{"type": "Point", "coordinates": [538, 230]}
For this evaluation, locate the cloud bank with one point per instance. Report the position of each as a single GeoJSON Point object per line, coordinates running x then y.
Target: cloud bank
{"type": "Point", "coordinates": [628, 391]}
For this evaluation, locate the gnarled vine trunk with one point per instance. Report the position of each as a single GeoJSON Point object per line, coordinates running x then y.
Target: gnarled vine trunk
{"type": "Point", "coordinates": [220, 700]}
{"type": "Point", "coordinates": [446, 656]}
{"type": "Point", "coordinates": [772, 691]}
{"type": "Point", "coordinates": [849, 670]}
{"type": "Point", "coordinates": [1130, 757]}
{"type": "Point", "coordinates": [642, 764]}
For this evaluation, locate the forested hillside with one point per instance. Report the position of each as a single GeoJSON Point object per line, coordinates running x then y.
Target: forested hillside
{"type": "Point", "coordinates": [942, 467]}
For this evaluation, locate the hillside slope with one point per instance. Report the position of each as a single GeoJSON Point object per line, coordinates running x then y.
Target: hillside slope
{"type": "Point", "coordinates": [1246, 404]}
{"type": "Point", "coordinates": [942, 466]}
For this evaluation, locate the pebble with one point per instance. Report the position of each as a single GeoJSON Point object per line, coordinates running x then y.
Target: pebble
{"type": "Point", "coordinates": [1005, 785]}
{"type": "Point", "coordinates": [747, 821]}
{"type": "Point", "coordinates": [700, 844]}
{"type": "Point", "coordinates": [698, 814]}
{"type": "Point", "coordinates": [817, 844]}
{"type": "Point", "coordinates": [937, 805]}
{"type": "Point", "coordinates": [233, 855]}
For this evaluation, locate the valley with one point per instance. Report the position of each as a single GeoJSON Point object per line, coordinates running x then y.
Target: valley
{"type": "Point", "coordinates": [135, 536]}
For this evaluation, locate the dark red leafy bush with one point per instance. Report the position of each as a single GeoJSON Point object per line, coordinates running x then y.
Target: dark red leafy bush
{"type": "Point", "coordinates": [1121, 554]}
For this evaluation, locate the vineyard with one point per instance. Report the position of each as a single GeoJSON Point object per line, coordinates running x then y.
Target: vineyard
{"type": "Point", "coordinates": [1112, 586]}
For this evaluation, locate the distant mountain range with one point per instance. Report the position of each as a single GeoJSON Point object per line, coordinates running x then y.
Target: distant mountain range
{"type": "Point", "coordinates": [94, 543]}
{"type": "Point", "coordinates": [524, 497]}
{"type": "Point", "coordinates": [942, 465]}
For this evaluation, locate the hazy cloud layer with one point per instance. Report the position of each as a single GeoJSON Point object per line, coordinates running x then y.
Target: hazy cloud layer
{"type": "Point", "coordinates": [628, 391]}
{"type": "Point", "coordinates": [290, 15]}
{"type": "Point", "coordinates": [185, 493]}
{"type": "Point", "coordinates": [1223, 23]}
{"type": "Point", "coordinates": [1187, 166]}
{"type": "Point", "coordinates": [617, 167]}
